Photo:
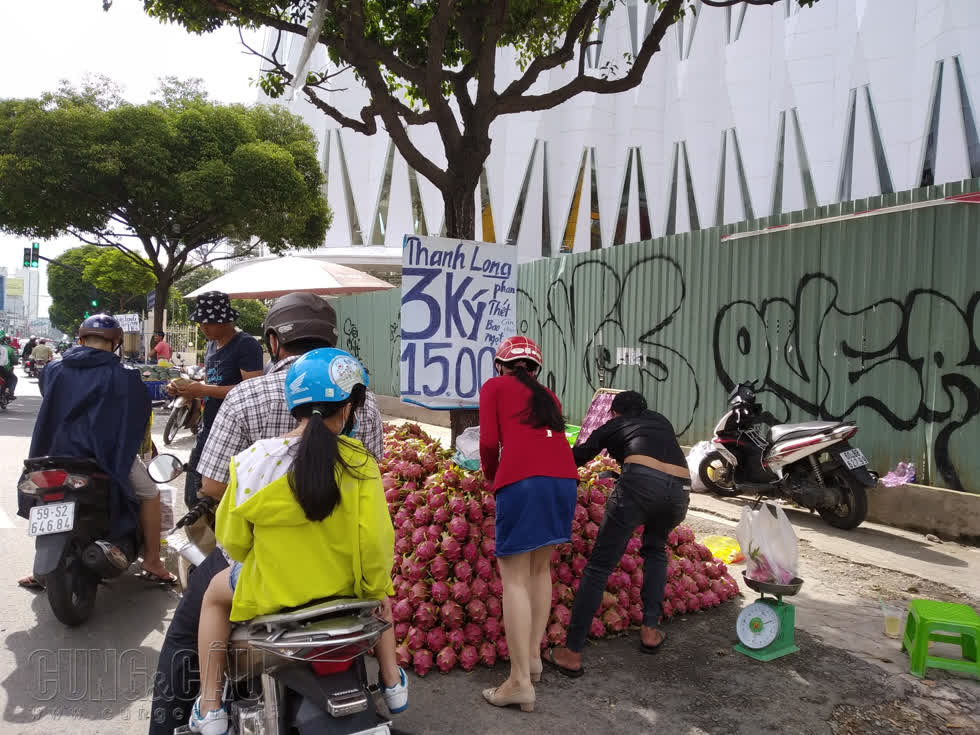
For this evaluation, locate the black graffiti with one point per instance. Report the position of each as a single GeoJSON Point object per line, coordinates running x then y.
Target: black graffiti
{"type": "Point", "coordinates": [590, 310]}
{"type": "Point", "coordinates": [394, 354]}
{"type": "Point", "coordinates": [353, 341]}
{"type": "Point", "coordinates": [912, 361]}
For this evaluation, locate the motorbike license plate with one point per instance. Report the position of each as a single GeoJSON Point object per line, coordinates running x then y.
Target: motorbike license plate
{"type": "Point", "coordinates": [853, 458]}
{"type": "Point", "coordinates": [51, 518]}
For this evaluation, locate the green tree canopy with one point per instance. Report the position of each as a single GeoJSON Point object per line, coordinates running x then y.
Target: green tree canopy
{"type": "Point", "coordinates": [171, 185]}
{"type": "Point", "coordinates": [434, 62]}
{"type": "Point", "coordinates": [115, 274]}
{"type": "Point", "coordinates": [251, 315]}
{"type": "Point", "coordinates": [71, 295]}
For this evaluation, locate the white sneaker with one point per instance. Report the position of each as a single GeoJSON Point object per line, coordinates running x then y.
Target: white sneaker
{"type": "Point", "coordinates": [396, 697]}
{"type": "Point", "coordinates": [214, 722]}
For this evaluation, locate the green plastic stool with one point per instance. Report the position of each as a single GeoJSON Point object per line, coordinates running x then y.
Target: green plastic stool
{"type": "Point", "coordinates": [930, 620]}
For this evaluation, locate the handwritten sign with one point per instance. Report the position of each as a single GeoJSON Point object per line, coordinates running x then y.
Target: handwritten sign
{"type": "Point", "coordinates": [129, 322]}
{"type": "Point", "coordinates": [599, 413]}
{"type": "Point", "coordinates": [458, 305]}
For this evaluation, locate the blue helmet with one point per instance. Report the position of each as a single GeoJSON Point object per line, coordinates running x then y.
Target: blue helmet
{"type": "Point", "coordinates": [326, 375]}
{"type": "Point", "coordinates": [101, 325]}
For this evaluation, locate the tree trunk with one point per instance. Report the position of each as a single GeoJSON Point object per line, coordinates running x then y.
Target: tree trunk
{"type": "Point", "coordinates": [160, 292]}
{"type": "Point", "coordinates": [460, 209]}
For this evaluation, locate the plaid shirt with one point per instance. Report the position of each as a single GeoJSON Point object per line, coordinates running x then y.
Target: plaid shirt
{"type": "Point", "coordinates": [256, 409]}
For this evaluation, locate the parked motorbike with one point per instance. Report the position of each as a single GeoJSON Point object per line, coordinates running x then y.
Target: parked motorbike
{"type": "Point", "coordinates": [300, 670]}
{"type": "Point", "coordinates": [811, 463]}
{"type": "Point", "coordinates": [69, 520]}
{"type": "Point", "coordinates": [185, 413]}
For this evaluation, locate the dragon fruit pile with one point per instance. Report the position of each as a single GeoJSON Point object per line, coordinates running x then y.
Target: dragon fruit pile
{"type": "Point", "coordinates": [447, 606]}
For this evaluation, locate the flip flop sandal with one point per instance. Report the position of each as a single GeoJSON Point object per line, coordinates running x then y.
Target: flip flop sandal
{"type": "Point", "coordinates": [29, 583]}
{"type": "Point", "coordinates": [644, 648]}
{"type": "Point", "coordinates": [148, 576]}
{"type": "Point", "coordinates": [549, 658]}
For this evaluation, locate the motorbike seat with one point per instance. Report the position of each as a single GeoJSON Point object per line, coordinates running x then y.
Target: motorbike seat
{"type": "Point", "coordinates": [74, 464]}
{"type": "Point", "coordinates": [327, 607]}
{"type": "Point", "coordinates": [783, 432]}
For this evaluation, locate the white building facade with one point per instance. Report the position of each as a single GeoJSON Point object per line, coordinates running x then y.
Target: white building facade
{"type": "Point", "coordinates": [745, 112]}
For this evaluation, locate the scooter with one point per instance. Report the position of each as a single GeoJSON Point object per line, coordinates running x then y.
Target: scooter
{"type": "Point", "coordinates": [300, 670]}
{"type": "Point", "coordinates": [69, 520]}
{"type": "Point", "coordinates": [810, 463]}
{"type": "Point", "coordinates": [185, 413]}
{"type": "Point", "coordinates": [4, 396]}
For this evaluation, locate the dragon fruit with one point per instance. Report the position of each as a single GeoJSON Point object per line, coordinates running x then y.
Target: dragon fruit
{"type": "Point", "coordinates": [472, 633]}
{"type": "Point", "coordinates": [439, 592]}
{"type": "Point", "coordinates": [463, 571]}
{"type": "Point", "coordinates": [488, 653]}
{"type": "Point", "coordinates": [555, 634]}
{"type": "Point", "coordinates": [446, 659]}
{"type": "Point", "coordinates": [402, 610]}
{"type": "Point", "coordinates": [479, 589]}
{"type": "Point", "coordinates": [484, 570]}
{"type": "Point", "coordinates": [476, 611]}
{"type": "Point", "coordinates": [418, 592]}
{"type": "Point", "coordinates": [502, 651]}
{"type": "Point", "coordinates": [458, 528]}
{"type": "Point", "coordinates": [415, 638]}
{"type": "Point", "coordinates": [492, 629]}
{"type": "Point", "coordinates": [468, 658]}
{"type": "Point", "coordinates": [456, 638]}
{"type": "Point", "coordinates": [451, 614]}
{"type": "Point", "coordinates": [401, 630]}
{"type": "Point", "coordinates": [471, 552]}
{"type": "Point", "coordinates": [439, 568]}
{"type": "Point", "coordinates": [403, 655]}
{"type": "Point", "coordinates": [426, 615]}
{"type": "Point", "coordinates": [494, 607]}
{"type": "Point", "coordinates": [422, 661]}
{"type": "Point", "coordinates": [435, 639]}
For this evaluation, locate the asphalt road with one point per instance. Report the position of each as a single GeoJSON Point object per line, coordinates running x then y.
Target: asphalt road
{"type": "Point", "coordinates": [93, 679]}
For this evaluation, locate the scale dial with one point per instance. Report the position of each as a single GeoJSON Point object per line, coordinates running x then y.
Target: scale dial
{"type": "Point", "coordinates": [757, 625]}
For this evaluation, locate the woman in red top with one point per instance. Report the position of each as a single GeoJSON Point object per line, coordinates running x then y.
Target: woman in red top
{"type": "Point", "coordinates": [526, 457]}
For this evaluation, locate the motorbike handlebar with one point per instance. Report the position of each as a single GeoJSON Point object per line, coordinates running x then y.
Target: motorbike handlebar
{"type": "Point", "coordinates": [203, 508]}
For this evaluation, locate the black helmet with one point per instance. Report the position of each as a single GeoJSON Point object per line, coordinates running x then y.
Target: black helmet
{"type": "Point", "coordinates": [298, 316]}
{"type": "Point", "coordinates": [101, 325]}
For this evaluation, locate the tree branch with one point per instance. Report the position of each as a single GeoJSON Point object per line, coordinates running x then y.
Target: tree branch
{"type": "Point", "coordinates": [509, 104]}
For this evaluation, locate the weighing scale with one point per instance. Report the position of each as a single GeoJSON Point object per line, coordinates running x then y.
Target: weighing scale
{"type": "Point", "coordinates": [766, 627]}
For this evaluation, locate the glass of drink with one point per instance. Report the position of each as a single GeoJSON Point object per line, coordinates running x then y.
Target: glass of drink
{"type": "Point", "coordinates": [893, 620]}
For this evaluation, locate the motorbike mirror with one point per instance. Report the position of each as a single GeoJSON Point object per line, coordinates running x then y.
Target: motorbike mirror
{"type": "Point", "coordinates": [164, 468]}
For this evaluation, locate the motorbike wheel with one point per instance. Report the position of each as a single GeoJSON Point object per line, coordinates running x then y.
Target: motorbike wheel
{"type": "Point", "coordinates": [717, 475]}
{"type": "Point", "coordinates": [174, 422]}
{"type": "Point", "coordinates": [853, 508]}
{"type": "Point", "coordinates": [71, 590]}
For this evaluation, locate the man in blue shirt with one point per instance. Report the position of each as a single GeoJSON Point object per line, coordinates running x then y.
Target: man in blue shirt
{"type": "Point", "coordinates": [230, 358]}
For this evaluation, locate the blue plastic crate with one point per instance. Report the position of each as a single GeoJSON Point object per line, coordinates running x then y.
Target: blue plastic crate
{"type": "Point", "coordinates": [157, 389]}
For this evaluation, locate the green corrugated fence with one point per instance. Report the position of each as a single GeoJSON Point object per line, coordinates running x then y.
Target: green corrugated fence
{"type": "Point", "coordinates": [874, 320]}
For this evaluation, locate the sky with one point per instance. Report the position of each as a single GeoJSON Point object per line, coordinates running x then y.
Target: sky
{"type": "Point", "coordinates": [45, 41]}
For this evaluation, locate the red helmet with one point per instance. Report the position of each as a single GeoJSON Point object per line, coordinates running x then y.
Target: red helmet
{"type": "Point", "coordinates": [519, 348]}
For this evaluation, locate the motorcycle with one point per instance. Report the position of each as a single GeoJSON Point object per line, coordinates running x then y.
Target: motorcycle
{"type": "Point", "coordinates": [69, 520]}
{"type": "Point", "coordinates": [811, 463]}
{"type": "Point", "coordinates": [185, 413]}
{"type": "Point", "coordinates": [298, 670]}
{"type": "Point", "coordinates": [4, 396]}
{"type": "Point", "coordinates": [30, 368]}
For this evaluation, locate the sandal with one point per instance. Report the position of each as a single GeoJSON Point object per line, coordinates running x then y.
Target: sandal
{"type": "Point", "coordinates": [549, 658]}
{"type": "Point", "coordinates": [149, 576]}
{"type": "Point", "coordinates": [644, 648]}
{"type": "Point", "coordinates": [29, 583]}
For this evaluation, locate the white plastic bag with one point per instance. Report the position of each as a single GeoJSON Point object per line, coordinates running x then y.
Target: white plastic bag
{"type": "Point", "coordinates": [468, 443]}
{"type": "Point", "coordinates": [768, 541]}
{"type": "Point", "coordinates": [698, 452]}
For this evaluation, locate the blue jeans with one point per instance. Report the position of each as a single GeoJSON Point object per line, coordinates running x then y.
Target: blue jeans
{"type": "Point", "coordinates": [646, 497]}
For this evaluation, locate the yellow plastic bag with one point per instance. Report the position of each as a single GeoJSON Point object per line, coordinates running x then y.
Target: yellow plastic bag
{"type": "Point", "coordinates": [725, 548]}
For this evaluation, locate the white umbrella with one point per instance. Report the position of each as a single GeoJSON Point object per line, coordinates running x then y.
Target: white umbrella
{"type": "Point", "coordinates": [269, 279]}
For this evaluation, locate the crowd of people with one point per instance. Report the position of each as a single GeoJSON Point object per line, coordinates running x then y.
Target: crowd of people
{"type": "Point", "coordinates": [282, 447]}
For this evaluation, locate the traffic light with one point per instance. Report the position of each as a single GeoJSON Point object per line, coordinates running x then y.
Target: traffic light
{"type": "Point", "coordinates": [95, 302]}
{"type": "Point", "coordinates": [86, 315]}
{"type": "Point", "coordinates": [35, 255]}
{"type": "Point", "coordinates": [27, 257]}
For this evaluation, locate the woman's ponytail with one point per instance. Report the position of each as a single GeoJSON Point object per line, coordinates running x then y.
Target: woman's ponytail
{"type": "Point", "coordinates": [313, 477]}
{"type": "Point", "coordinates": [542, 410]}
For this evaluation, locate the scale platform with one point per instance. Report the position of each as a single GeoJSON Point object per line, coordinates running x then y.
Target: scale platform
{"type": "Point", "coordinates": [766, 628]}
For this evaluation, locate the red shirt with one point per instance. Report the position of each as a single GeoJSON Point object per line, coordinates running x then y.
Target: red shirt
{"type": "Point", "coordinates": [511, 450]}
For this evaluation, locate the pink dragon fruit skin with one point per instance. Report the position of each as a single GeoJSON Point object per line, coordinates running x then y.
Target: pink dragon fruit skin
{"type": "Point", "coordinates": [415, 638]}
{"type": "Point", "coordinates": [472, 633]}
{"type": "Point", "coordinates": [426, 550]}
{"type": "Point", "coordinates": [439, 568]}
{"type": "Point", "coordinates": [451, 549]}
{"type": "Point", "coordinates": [488, 653]}
{"type": "Point", "coordinates": [403, 654]}
{"type": "Point", "coordinates": [437, 500]}
{"type": "Point", "coordinates": [489, 527]}
{"type": "Point", "coordinates": [468, 658]}
{"type": "Point", "coordinates": [476, 611]}
{"type": "Point", "coordinates": [446, 659]}
{"type": "Point", "coordinates": [474, 511]}
{"type": "Point", "coordinates": [503, 653]}
{"type": "Point", "coordinates": [636, 614]}
{"type": "Point", "coordinates": [457, 505]}
{"type": "Point", "coordinates": [492, 629]}
{"type": "Point", "coordinates": [596, 512]}
{"type": "Point", "coordinates": [487, 547]}
{"type": "Point", "coordinates": [439, 592]}
{"type": "Point", "coordinates": [562, 614]}
{"type": "Point", "coordinates": [451, 614]}
{"type": "Point", "coordinates": [419, 592]}
{"type": "Point", "coordinates": [483, 568]}
{"type": "Point", "coordinates": [479, 589]}
{"type": "Point", "coordinates": [402, 610]}
{"type": "Point", "coordinates": [434, 532]}
{"type": "Point", "coordinates": [403, 545]}
{"type": "Point", "coordinates": [441, 515]}
{"type": "Point", "coordinates": [422, 661]}
{"type": "Point", "coordinates": [418, 536]}
{"type": "Point", "coordinates": [564, 573]}
{"type": "Point", "coordinates": [471, 552]}
{"type": "Point", "coordinates": [494, 607]}
{"type": "Point", "coordinates": [597, 629]}
{"type": "Point", "coordinates": [401, 630]}
{"type": "Point", "coordinates": [456, 639]}
{"type": "Point", "coordinates": [555, 634]}
{"type": "Point", "coordinates": [579, 562]}
{"type": "Point", "coordinates": [489, 504]}
{"type": "Point", "coordinates": [435, 639]}
{"type": "Point", "coordinates": [458, 528]}
{"type": "Point", "coordinates": [426, 615]}
{"type": "Point", "coordinates": [463, 571]}
{"type": "Point", "coordinates": [422, 516]}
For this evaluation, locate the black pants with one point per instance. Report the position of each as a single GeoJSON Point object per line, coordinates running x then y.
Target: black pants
{"type": "Point", "coordinates": [177, 681]}
{"type": "Point", "coordinates": [646, 497]}
{"type": "Point", "coordinates": [192, 478]}
{"type": "Point", "coordinates": [9, 377]}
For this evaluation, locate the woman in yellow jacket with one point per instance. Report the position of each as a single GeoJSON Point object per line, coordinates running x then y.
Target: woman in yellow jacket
{"type": "Point", "coordinates": [304, 517]}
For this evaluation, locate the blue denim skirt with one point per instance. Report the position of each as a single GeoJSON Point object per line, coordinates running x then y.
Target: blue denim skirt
{"type": "Point", "coordinates": [534, 512]}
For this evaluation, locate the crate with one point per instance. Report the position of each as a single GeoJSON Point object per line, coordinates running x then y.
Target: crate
{"type": "Point", "coordinates": [157, 389]}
